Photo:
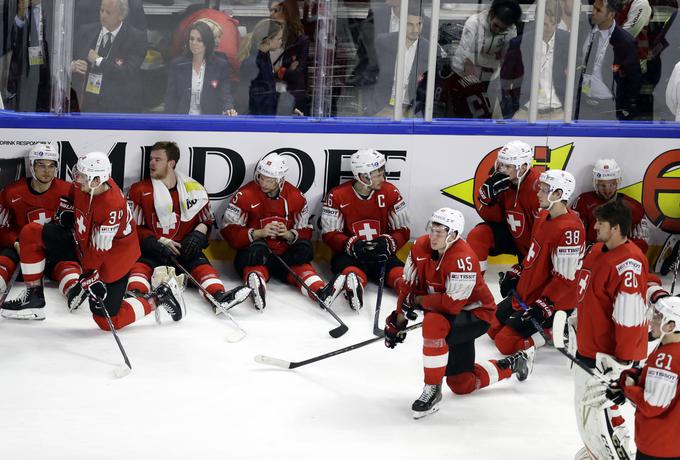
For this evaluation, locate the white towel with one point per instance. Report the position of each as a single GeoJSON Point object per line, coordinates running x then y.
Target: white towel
{"type": "Point", "coordinates": [192, 198]}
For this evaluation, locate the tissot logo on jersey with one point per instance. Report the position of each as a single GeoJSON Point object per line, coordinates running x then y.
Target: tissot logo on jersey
{"type": "Point", "coordinates": [629, 265]}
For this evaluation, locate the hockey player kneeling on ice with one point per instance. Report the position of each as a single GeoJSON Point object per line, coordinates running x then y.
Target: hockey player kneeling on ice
{"type": "Point", "coordinates": [173, 217]}
{"type": "Point", "coordinates": [107, 245]}
{"type": "Point", "coordinates": [365, 222]}
{"type": "Point", "coordinates": [612, 288]}
{"type": "Point", "coordinates": [442, 276]}
{"type": "Point", "coordinates": [28, 210]}
{"type": "Point", "coordinates": [270, 215]}
{"type": "Point", "coordinates": [547, 279]}
{"type": "Point", "coordinates": [507, 204]}
{"type": "Point", "coordinates": [653, 389]}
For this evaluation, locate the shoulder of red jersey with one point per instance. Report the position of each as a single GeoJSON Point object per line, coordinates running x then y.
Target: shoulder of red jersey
{"type": "Point", "coordinates": [139, 188]}
{"type": "Point", "coordinates": [636, 209]}
{"type": "Point", "coordinates": [421, 246]}
{"type": "Point", "coordinates": [338, 193]}
{"type": "Point", "coordinates": [292, 192]}
{"type": "Point", "coordinates": [392, 192]}
{"type": "Point", "coordinates": [61, 186]}
{"type": "Point", "coordinates": [245, 195]}
{"type": "Point", "coordinates": [17, 187]}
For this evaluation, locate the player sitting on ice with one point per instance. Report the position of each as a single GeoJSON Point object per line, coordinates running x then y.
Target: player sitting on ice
{"type": "Point", "coordinates": [548, 277]}
{"type": "Point", "coordinates": [442, 276]}
{"type": "Point", "coordinates": [173, 217]}
{"type": "Point", "coordinates": [27, 212]}
{"type": "Point", "coordinates": [607, 177]}
{"type": "Point", "coordinates": [508, 206]}
{"type": "Point", "coordinates": [270, 215]}
{"type": "Point", "coordinates": [365, 222]}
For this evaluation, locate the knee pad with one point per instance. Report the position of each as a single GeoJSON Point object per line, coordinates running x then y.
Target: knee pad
{"type": "Point", "coordinates": [462, 384]}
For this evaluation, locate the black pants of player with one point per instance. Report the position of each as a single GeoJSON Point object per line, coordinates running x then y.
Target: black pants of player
{"type": "Point", "coordinates": [276, 269]}
{"type": "Point", "coordinates": [503, 242]}
{"type": "Point", "coordinates": [115, 291]}
{"type": "Point", "coordinates": [340, 261]}
{"type": "Point", "coordinates": [59, 246]}
{"type": "Point", "coordinates": [465, 328]}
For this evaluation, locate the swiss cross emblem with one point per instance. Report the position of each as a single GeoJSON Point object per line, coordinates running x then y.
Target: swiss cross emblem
{"type": "Point", "coordinates": [40, 216]}
{"type": "Point", "coordinates": [367, 229]}
{"type": "Point", "coordinates": [532, 254]}
{"type": "Point", "coordinates": [81, 225]}
{"type": "Point", "coordinates": [515, 221]}
{"type": "Point", "coordinates": [583, 281]}
{"type": "Point", "coordinates": [171, 231]}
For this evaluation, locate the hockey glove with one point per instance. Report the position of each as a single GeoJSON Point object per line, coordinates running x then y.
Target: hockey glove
{"type": "Point", "coordinates": [90, 282]}
{"type": "Point", "coordinates": [65, 215]}
{"type": "Point", "coordinates": [599, 395]}
{"type": "Point", "coordinates": [193, 245]}
{"type": "Point", "coordinates": [492, 187]}
{"type": "Point", "coordinates": [258, 253]}
{"type": "Point", "coordinates": [358, 248]}
{"type": "Point", "coordinates": [394, 330]}
{"type": "Point", "coordinates": [629, 377]}
{"type": "Point", "coordinates": [157, 250]}
{"type": "Point", "coordinates": [383, 247]}
{"type": "Point", "coordinates": [300, 252]}
{"type": "Point", "coordinates": [540, 310]}
{"type": "Point", "coordinates": [408, 306]}
{"type": "Point", "coordinates": [508, 280]}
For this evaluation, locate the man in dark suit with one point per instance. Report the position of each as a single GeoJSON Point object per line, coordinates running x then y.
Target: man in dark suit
{"type": "Point", "coordinates": [610, 77]}
{"type": "Point", "coordinates": [108, 57]}
{"type": "Point", "coordinates": [379, 99]}
{"type": "Point", "coordinates": [518, 65]}
{"type": "Point", "coordinates": [28, 83]}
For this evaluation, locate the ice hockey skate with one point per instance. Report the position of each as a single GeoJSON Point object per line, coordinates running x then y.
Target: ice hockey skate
{"type": "Point", "coordinates": [167, 290]}
{"type": "Point", "coordinates": [428, 402]}
{"type": "Point", "coordinates": [354, 292]}
{"type": "Point", "coordinates": [332, 289]}
{"type": "Point", "coordinates": [258, 290]}
{"type": "Point", "coordinates": [230, 298]}
{"type": "Point", "coordinates": [28, 306]}
{"type": "Point", "coordinates": [521, 363]}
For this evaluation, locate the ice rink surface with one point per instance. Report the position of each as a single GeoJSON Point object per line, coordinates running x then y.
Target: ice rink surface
{"type": "Point", "coordinates": [193, 395]}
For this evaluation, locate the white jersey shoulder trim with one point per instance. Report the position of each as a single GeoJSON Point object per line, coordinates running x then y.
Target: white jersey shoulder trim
{"type": "Point", "coordinates": [566, 260]}
{"type": "Point", "coordinates": [4, 216]}
{"type": "Point", "coordinates": [137, 213]}
{"type": "Point", "coordinates": [410, 274]}
{"type": "Point", "coordinates": [233, 215]}
{"type": "Point", "coordinates": [302, 218]}
{"type": "Point", "coordinates": [641, 230]}
{"type": "Point", "coordinates": [660, 387]}
{"type": "Point", "coordinates": [630, 310]}
{"type": "Point", "coordinates": [459, 285]}
{"type": "Point", "coordinates": [331, 220]}
{"type": "Point", "coordinates": [102, 236]}
{"type": "Point", "coordinates": [398, 217]}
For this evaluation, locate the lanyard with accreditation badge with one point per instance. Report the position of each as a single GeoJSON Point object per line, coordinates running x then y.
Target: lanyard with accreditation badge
{"type": "Point", "coordinates": [587, 78]}
{"type": "Point", "coordinates": [94, 80]}
{"type": "Point", "coordinates": [35, 52]}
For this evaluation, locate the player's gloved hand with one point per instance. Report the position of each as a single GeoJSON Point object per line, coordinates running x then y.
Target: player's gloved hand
{"type": "Point", "coordinates": [193, 245]}
{"type": "Point", "coordinates": [65, 215]}
{"type": "Point", "coordinates": [300, 252]}
{"type": "Point", "coordinates": [394, 330]}
{"type": "Point", "coordinates": [629, 377]}
{"type": "Point", "coordinates": [90, 282]}
{"type": "Point", "coordinates": [157, 250]}
{"type": "Point", "coordinates": [258, 253]}
{"type": "Point", "coordinates": [408, 306]}
{"type": "Point", "coordinates": [492, 187]}
{"type": "Point", "coordinates": [382, 247]}
{"type": "Point", "coordinates": [358, 248]}
{"type": "Point", "coordinates": [540, 310]}
{"type": "Point", "coordinates": [508, 280]}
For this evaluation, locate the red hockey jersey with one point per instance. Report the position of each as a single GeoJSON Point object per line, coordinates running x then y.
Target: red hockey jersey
{"type": "Point", "coordinates": [251, 209]}
{"type": "Point", "coordinates": [20, 204]}
{"type": "Point", "coordinates": [612, 288]}
{"type": "Point", "coordinates": [450, 284]}
{"type": "Point", "coordinates": [553, 260]}
{"type": "Point", "coordinates": [106, 235]}
{"type": "Point", "coordinates": [144, 214]}
{"type": "Point", "coordinates": [586, 204]}
{"type": "Point", "coordinates": [517, 208]}
{"type": "Point", "coordinates": [346, 214]}
{"type": "Point", "coordinates": [657, 417]}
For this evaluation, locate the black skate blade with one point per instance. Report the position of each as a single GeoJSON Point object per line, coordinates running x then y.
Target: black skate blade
{"type": "Point", "coordinates": [338, 331]}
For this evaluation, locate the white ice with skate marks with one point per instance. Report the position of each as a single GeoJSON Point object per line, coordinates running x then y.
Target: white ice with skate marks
{"type": "Point", "coordinates": [191, 394]}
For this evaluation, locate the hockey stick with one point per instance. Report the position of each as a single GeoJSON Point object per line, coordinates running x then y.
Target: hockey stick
{"type": "Point", "coordinates": [9, 286]}
{"type": "Point", "coordinates": [121, 370]}
{"type": "Point", "coordinates": [675, 275]}
{"type": "Point", "coordinates": [338, 331]}
{"type": "Point", "coordinates": [262, 359]}
{"type": "Point", "coordinates": [232, 336]}
{"type": "Point", "coordinates": [377, 330]}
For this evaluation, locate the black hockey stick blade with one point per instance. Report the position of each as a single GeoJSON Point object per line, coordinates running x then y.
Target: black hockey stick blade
{"type": "Point", "coordinates": [338, 331]}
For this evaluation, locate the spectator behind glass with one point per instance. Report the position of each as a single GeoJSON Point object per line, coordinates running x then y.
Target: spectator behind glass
{"type": "Point", "coordinates": [198, 82]}
{"type": "Point", "coordinates": [107, 60]}
{"type": "Point", "coordinates": [478, 57]}
{"type": "Point", "coordinates": [290, 62]}
{"type": "Point", "coordinates": [87, 12]}
{"type": "Point", "coordinates": [28, 84]}
{"type": "Point", "coordinates": [258, 81]}
{"type": "Point", "coordinates": [609, 79]}
{"type": "Point", "coordinates": [517, 67]}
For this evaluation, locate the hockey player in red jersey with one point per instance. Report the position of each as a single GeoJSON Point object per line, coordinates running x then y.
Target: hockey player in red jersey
{"type": "Point", "coordinates": [548, 280]}
{"type": "Point", "coordinates": [365, 222]}
{"type": "Point", "coordinates": [270, 215]}
{"type": "Point", "coordinates": [108, 247]}
{"type": "Point", "coordinates": [27, 212]}
{"type": "Point", "coordinates": [173, 217]}
{"type": "Point", "coordinates": [612, 327]}
{"type": "Point", "coordinates": [442, 277]}
{"type": "Point", "coordinates": [507, 205]}
{"type": "Point", "coordinates": [606, 180]}
{"type": "Point", "coordinates": [653, 389]}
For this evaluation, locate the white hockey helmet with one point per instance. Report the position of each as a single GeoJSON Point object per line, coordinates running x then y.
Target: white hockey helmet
{"type": "Point", "coordinates": [606, 169]}
{"type": "Point", "coordinates": [516, 153]}
{"type": "Point", "coordinates": [451, 219]}
{"type": "Point", "coordinates": [93, 165]}
{"type": "Point", "coordinates": [558, 180]}
{"type": "Point", "coordinates": [365, 162]}
{"type": "Point", "coordinates": [42, 152]}
{"type": "Point", "coordinates": [272, 165]}
{"type": "Point", "coordinates": [669, 309]}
